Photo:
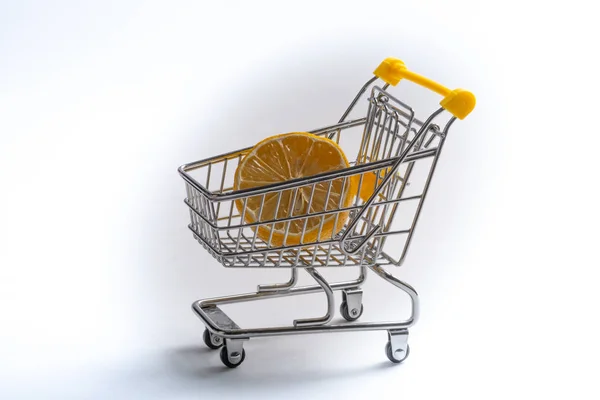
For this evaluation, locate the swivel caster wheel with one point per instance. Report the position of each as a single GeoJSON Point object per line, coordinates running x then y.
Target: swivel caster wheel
{"type": "Point", "coordinates": [212, 341]}
{"type": "Point", "coordinates": [398, 356]}
{"type": "Point", "coordinates": [397, 348]}
{"type": "Point", "coordinates": [232, 359]}
{"type": "Point", "coordinates": [350, 315]}
{"type": "Point", "coordinates": [351, 307]}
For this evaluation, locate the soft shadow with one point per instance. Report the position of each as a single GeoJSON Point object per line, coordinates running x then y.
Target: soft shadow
{"type": "Point", "coordinates": [192, 362]}
{"type": "Point", "coordinates": [269, 372]}
{"type": "Point", "coordinates": [266, 368]}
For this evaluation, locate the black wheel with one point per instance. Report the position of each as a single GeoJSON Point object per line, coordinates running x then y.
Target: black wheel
{"type": "Point", "coordinates": [226, 361]}
{"type": "Point", "coordinates": [347, 314]}
{"type": "Point", "coordinates": [208, 342]}
{"type": "Point", "coordinates": [390, 355]}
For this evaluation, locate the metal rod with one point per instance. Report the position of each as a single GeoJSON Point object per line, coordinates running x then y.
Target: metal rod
{"type": "Point", "coordinates": [238, 298]}
{"type": "Point", "coordinates": [330, 302]}
{"type": "Point", "coordinates": [200, 306]}
{"type": "Point", "coordinates": [280, 286]}
{"type": "Point", "coordinates": [425, 189]}
{"type": "Point", "coordinates": [368, 203]}
{"type": "Point", "coordinates": [362, 90]}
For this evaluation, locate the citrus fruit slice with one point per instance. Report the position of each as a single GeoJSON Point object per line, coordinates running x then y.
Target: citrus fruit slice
{"type": "Point", "coordinates": [288, 156]}
{"type": "Point", "coordinates": [371, 182]}
{"type": "Point", "coordinates": [368, 185]}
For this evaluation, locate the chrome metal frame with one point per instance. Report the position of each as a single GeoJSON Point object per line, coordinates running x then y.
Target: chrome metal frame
{"type": "Point", "coordinates": [392, 141]}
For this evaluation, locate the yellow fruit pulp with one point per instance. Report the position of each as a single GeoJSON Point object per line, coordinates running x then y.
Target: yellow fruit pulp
{"type": "Point", "coordinates": [282, 158]}
{"type": "Point", "coordinates": [368, 185]}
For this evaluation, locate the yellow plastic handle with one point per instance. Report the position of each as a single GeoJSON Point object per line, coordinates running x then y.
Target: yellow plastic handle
{"type": "Point", "coordinates": [458, 102]}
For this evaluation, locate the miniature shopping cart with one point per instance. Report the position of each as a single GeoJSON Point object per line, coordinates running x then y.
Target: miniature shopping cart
{"type": "Point", "coordinates": [388, 143]}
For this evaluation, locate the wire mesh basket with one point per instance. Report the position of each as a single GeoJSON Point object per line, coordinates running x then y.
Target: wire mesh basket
{"type": "Point", "coordinates": [388, 142]}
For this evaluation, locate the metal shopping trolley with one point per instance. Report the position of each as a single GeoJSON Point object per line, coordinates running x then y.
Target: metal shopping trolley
{"type": "Point", "coordinates": [387, 143]}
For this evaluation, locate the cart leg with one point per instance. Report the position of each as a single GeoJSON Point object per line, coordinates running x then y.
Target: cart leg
{"type": "Point", "coordinates": [357, 283]}
{"type": "Point", "coordinates": [330, 302]}
{"type": "Point", "coordinates": [414, 297]}
{"type": "Point", "coordinates": [397, 348]}
{"type": "Point", "coordinates": [362, 277]}
{"type": "Point", "coordinates": [294, 279]}
{"type": "Point", "coordinates": [280, 286]}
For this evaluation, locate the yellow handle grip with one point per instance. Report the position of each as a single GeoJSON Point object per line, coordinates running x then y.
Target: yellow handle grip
{"type": "Point", "coordinates": [458, 102]}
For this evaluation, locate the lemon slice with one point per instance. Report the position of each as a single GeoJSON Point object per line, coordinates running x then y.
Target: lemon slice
{"type": "Point", "coordinates": [281, 158]}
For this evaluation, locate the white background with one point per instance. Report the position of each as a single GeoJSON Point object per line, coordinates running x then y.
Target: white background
{"type": "Point", "coordinates": [100, 102]}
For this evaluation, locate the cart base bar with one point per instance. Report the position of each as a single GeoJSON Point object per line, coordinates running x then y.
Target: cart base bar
{"type": "Point", "coordinates": [222, 331]}
{"type": "Point", "coordinates": [219, 319]}
{"type": "Point", "coordinates": [222, 328]}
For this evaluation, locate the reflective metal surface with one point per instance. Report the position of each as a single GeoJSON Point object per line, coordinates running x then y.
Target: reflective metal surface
{"type": "Point", "coordinates": [387, 141]}
{"type": "Point", "coordinates": [390, 145]}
